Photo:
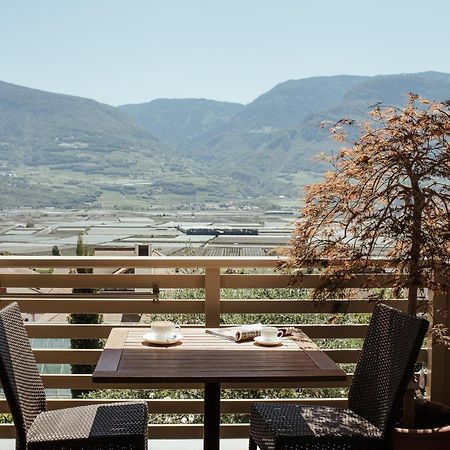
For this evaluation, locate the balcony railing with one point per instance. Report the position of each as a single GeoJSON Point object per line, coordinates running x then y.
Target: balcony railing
{"type": "Point", "coordinates": [209, 274]}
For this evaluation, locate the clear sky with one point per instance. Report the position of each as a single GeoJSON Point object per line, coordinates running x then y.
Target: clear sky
{"type": "Point", "coordinates": [130, 51]}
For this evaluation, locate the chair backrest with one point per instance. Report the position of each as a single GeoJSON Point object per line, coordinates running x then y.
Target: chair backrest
{"type": "Point", "coordinates": [19, 373]}
{"type": "Point", "coordinates": [386, 365]}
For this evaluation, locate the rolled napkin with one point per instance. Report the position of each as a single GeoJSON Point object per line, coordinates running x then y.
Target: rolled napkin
{"type": "Point", "coordinates": [245, 332]}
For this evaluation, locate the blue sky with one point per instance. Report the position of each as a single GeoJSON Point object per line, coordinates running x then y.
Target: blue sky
{"type": "Point", "coordinates": [130, 51]}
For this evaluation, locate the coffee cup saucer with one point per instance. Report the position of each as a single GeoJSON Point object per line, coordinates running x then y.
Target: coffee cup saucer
{"type": "Point", "coordinates": [151, 338]}
{"type": "Point", "coordinates": [272, 343]}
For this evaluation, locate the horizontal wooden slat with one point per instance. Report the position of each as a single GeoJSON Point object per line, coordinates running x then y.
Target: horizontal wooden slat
{"type": "Point", "coordinates": [242, 406]}
{"type": "Point", "coordinates": [84, 381]}
{"type": "Point", "coordinates": [64, 305]}
{"type": "Point", "coordinates": [7, 431]}
{"type": "Point", "coordinates": [164, 261]}
{"type": "Point", "coordinates": [234, 431]}
{"type": "Point", "coordinates": [178, 281]}
{"type": "Point", "coordinates": [348, 356]}
{"type": "Point", "coordinates": [101, 281]}
{"type": "Point", "coordinates": [120, 306]}
{"type": "Point", "coordinates": [335, 331]}
{"type": "Point", "coordinates": [187, 406]}
{"type": "Point", "coordinates": [175, 431]}
{"type": "Point", "coordinates": [306, 281]}
{"type": "Point", "coordinates": [67, 356]}
{"type": "Point", "coordinates": [303, 306]}
{"type": "Point", "coordinates": [46, 330]}
{"type": "Point", "coordinates": [113, 294]}
{"type": "Point", "coordinates": [141, 261]}
{"type": "Point", "coordinates": [69, 381]}
{"type": "Point", "coordinates": [74, 331]}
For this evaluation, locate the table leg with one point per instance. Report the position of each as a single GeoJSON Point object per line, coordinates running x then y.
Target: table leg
{"type": "Point", "coordinates": [211, 419]}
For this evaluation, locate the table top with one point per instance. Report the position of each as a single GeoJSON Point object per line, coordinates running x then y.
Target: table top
{"type": "Point", "coordinates": [205, 358]}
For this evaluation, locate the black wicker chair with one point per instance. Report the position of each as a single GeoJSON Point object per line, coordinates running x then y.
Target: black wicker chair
{"type": "Point", "coordinates": [121, 426]}
{"type": "Point", "coordinates": [381, 378]}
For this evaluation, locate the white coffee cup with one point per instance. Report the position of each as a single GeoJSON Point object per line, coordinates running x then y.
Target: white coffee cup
{"type": "Point", "coordinates": [163, 329]}
{"type": "Point", "coordinates": [270, 334]}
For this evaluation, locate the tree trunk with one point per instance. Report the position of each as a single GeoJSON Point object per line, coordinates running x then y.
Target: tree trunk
{"type": "Point", "coordinates": [414, 282]}
{"type": "Point", "coordinates": [416, 244]}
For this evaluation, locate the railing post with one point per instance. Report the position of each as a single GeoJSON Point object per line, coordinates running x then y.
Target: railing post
{"type": "Point", "coordinates": [438, 371]}
{"type": "Point", "coordinates": [212, 297]}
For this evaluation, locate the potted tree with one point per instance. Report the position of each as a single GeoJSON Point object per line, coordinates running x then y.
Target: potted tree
{"type": "Point", "coordinates": [386, 201]}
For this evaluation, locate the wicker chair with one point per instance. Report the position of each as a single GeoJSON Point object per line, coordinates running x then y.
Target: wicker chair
{"type": "Point", "coordinates": [121, 426]}
{"type": "Point", "coordinates": [381, 378]}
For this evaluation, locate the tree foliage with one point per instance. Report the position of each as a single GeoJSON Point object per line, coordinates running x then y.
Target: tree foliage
{"type": "Point", "coordinates": [388, 197]}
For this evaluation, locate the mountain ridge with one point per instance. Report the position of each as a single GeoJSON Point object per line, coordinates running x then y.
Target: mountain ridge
{"type": "Point", "coordinates": [191, 116]}
{"type": "Point", "coordinates": [66, 150]}
{"type": "Point", "coordinates": [184, 150]}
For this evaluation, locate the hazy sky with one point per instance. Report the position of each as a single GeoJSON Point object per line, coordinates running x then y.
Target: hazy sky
{"type": "Point", "coordinates": [129, 51]}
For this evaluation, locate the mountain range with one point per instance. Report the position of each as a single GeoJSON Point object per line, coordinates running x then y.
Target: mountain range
{"type": "Point", "coordinates": [60, 150]}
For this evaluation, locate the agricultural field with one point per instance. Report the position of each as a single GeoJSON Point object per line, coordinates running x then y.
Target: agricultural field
{"type": "Point", "coordinates": [37, 231]}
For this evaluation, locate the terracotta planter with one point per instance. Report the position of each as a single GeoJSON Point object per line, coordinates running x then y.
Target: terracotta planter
{"type": "Point", "coordinates": [433, 420]}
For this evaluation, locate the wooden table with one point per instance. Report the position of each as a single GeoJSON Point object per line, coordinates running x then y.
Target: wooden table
{"type": "Point", "coordinates": [211, 360]}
